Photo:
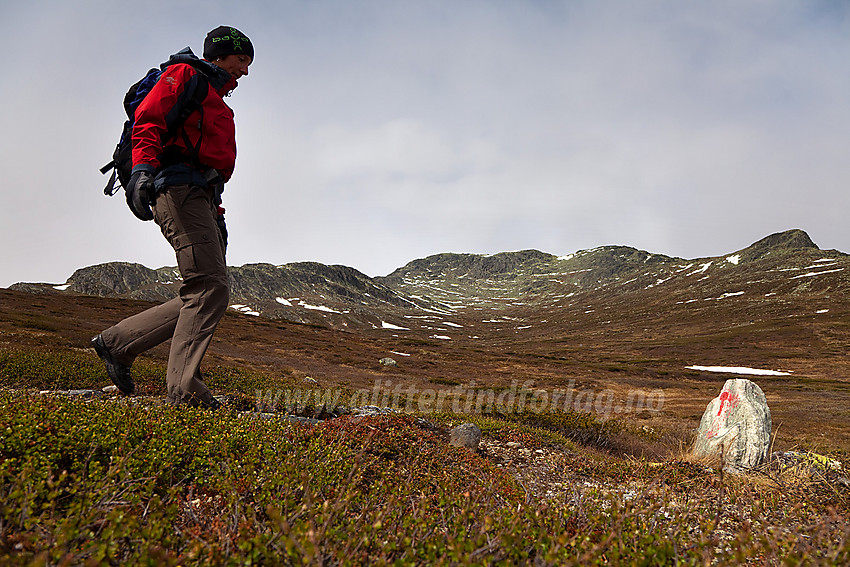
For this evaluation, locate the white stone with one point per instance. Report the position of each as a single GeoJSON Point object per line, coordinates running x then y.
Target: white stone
{"type": "Point", "coordinates": [737, 425]}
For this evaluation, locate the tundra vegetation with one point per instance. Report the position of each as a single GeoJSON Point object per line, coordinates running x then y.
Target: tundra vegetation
{"type": "Point", "coordinates": [102, 479]}
{"type": "Point", "coordinates": [108, 480]}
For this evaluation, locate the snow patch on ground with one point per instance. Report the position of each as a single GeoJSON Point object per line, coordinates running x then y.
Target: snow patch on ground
{"type": "Point", "coordinates": [819, 266]}
{"type": "Point", "coordinates": [61, 287]}
{"type": "Point", "coordinates": [244, 309]}
{"type": "Point", "coordinates": [385, 325]}
{"type": "Point", "coordinates": [734, 259]}
{"type": "Point", "coordinates": [739, 370]}
{"type": "Point", "coordinates": [724, 296]}
{"type": "Point", "coordinates": [283, 301]}
{"type": "Point", "coordinates": [811, 274]}
{"type": "Point", "coordinates": [306, 305]}
{"type": "Point", "coordinates": [701, 269]}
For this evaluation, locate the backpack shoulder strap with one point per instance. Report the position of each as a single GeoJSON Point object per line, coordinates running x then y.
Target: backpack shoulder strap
{"type": "Point", "coordinates": [194, 103]}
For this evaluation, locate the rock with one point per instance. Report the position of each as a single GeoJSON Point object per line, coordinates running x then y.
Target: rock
{"type": "Point", "coordinates": [282, 417]}
{"type": "Point", "coordinates": [465, 435]}
{"type": "Point", "coordinates": [84, 394]}
{"type": "Point", "coordinates": [425, 424]}
{"type": "Point", "coordinates": [111, 389]}
{"type": "Point", "coordinates": [387, 361]}
{"type": "Point", "coordinates": [513, 444]}
{"type": "Point", "coordinates": [309, 380]}
{"type": "Point", "coordinates": [370, 411]}
{"type": "Point", "coordinates": [304, 420]}
{"type": "Point", "coordinates": [735, 427]}
{"type": "Point", "coordinates": [786, 459]}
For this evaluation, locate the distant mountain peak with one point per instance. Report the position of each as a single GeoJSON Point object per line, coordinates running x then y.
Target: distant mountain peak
{"type": "Point", "coordinates": [427, 290]}
{"type": "Point", "coordinates": [502, 264]}
{"type": "Point", "coordinates": [794, 239]}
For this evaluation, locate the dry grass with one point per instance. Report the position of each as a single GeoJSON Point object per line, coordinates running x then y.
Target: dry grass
{"type": "Point", "coordinates": [571, 488]}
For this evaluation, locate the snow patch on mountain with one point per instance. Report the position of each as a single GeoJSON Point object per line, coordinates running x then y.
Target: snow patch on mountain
{"type": "Point", "coordinates": [244, 309]}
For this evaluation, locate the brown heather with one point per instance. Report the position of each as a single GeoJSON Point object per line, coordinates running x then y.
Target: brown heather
{"type": "Point", "coordinates": [129, 481]}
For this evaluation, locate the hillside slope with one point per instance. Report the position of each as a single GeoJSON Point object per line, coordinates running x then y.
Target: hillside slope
{"type": "Point", "coordinates": [612, 319]}
{"type": "Point", "coordinates": [418, 296]}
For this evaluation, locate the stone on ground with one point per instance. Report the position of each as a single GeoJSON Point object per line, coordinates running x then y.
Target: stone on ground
{"type": "Point", "coordinates": [465, 435]}
{"type": "Point", "coordinates": [736, 427]}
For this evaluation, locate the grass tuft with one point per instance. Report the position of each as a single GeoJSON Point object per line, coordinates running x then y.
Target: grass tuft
{"type": "Point", "coordinates": [114, 481]}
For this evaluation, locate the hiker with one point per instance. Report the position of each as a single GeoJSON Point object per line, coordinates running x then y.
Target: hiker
{"type": "Point", "coordinates": [177, 181]}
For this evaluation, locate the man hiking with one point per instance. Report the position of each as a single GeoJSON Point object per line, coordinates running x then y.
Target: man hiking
{"type": "Point", "coordinates": [177, 178]}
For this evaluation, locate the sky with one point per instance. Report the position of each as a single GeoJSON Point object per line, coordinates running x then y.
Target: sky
{"type": "Point", "coordinates": [372, 133]}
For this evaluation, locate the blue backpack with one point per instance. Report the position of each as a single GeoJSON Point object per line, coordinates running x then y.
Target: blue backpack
{"type": "Point", "coordinates": [122, 159]}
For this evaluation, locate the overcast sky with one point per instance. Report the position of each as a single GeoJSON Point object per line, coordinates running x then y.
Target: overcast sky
{"type": "Point", "coordinates": [372, 133]}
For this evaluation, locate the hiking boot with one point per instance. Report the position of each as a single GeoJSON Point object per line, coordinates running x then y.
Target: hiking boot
{"type": "Point", "coordinates": [118, 373]}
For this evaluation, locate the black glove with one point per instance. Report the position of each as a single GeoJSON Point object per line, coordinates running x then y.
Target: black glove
{"type": "Point", "coordinates": [139, 192]}
{"type": "Point", "coordinates": [222, 227]}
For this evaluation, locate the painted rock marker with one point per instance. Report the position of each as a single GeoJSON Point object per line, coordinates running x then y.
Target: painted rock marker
{"type": "Point", "coordinates": [736, 427]}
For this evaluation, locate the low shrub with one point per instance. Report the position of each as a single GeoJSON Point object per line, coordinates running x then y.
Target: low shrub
{"type": "Point", "coordinates": [51, 369]}
{"type": "Point", "coordinates": [112, 482]}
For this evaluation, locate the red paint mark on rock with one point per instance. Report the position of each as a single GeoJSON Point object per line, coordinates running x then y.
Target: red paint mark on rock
{"type": "Point", "coordinates": [727, 402]}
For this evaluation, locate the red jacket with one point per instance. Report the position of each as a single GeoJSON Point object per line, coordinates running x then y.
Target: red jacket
{"type": "Point", "coordinates": [212, 124]}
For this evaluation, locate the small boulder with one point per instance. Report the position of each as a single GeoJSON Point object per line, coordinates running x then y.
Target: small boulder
{"type": "Point", "coordinates": [387, 361]}
{"type": "Point", "coordinates": [84, 394]}
{"type": "Point", "coordinates": [788, 459]}
{"type": "Point", "coordinates": [371, 411]}
{"type": "Point", "coordinates": [465, 435]}
{"type": "Point", "coordinates": [735, 427]}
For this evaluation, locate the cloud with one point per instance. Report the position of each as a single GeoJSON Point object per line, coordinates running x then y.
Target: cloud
{"type": "Point", "coordinates": [373, 133]}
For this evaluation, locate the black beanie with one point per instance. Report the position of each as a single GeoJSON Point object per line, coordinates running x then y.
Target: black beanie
{"type": "Point", "coordinates": [224, 40]}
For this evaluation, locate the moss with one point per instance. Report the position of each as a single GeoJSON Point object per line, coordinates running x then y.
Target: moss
{"type": "Point", "coordinates": [108, 481]}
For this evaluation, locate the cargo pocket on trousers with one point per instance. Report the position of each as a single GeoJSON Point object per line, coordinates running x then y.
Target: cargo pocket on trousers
{"type": "Point", "coordinates": [198, 254]}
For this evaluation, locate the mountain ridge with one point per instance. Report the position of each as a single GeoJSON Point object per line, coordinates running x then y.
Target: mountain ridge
{"type": "Point", "coordinates": [447, 283]}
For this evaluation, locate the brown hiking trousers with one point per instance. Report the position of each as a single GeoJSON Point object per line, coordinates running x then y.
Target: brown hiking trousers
{"type": "Point", "coordinates": [187, 218]}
